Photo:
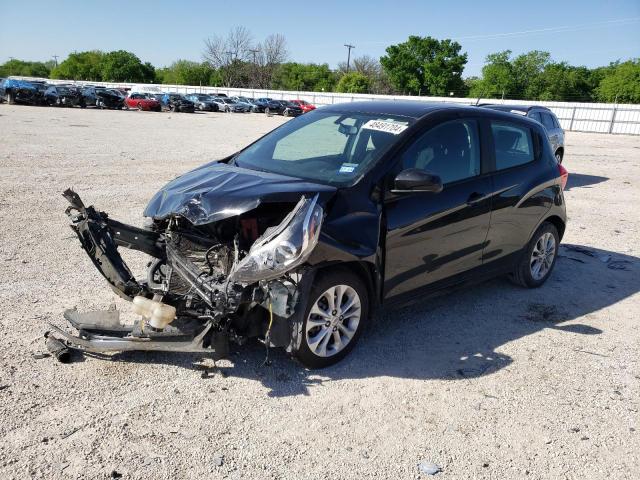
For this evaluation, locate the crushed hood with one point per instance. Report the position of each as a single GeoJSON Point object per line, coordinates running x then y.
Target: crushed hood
{"type": "Point", "coordinates": [217, 191]}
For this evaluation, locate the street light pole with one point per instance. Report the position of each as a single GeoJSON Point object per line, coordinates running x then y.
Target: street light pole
{"type": "Point", "coordinates": [349, 47]}
{"type": "Point", "coordinates": [55, 58]}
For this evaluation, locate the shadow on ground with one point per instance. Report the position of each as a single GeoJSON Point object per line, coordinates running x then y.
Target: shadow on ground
{"type": "Point", "coordinates": [452, 337]}
{"type": "Point", "coordinates": [578, 180]}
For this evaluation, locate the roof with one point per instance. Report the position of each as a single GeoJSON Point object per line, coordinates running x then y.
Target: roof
{"type": "Point", "coordinates": [508, 108]}
{"type": "Point", "coordinates": [406, 108]}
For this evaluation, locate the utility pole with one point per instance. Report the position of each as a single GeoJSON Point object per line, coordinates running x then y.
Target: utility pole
{"type": "Point", "coordinates": [349, 47]}
{"type": "Point", "coordinates": [55, 58]}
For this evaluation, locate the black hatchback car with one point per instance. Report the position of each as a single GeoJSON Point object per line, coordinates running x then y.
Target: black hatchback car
{"type": "Point", "coordinates": [298, 238]}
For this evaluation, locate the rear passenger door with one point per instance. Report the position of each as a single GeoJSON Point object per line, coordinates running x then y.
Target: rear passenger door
{"type": "Point", "coordinates": [520, 195]}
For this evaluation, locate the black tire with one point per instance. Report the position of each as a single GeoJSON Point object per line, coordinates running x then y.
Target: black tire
{"type": "Point", "coordinates": [323, 282]}
{"type": "Point", "coordinates": [285, 113]}
{"type": "Point", "coordinates": [559, 156]}
{"type": "Point", "coordinates": [11, 99]}
{"type": "Point", "coordinates": [522, 274]}
{"type": "Point", "coordinates": [267, 111]}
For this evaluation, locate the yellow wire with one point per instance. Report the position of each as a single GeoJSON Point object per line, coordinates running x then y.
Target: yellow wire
{"type": "Point", "coordinates": [270, 316]}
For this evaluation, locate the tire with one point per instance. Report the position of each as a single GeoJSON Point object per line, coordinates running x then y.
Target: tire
{"type": "Point", "coordinates": [541, 253]}
{"type": "Point", "coordinates": [266, 110]}
{"type": "Point", "coordinates": [140, 106]}
{"type": "Point", "coordinates": [318, 329]}
{"type": "Point", "coordinates": [285, 113]}
{"type": "Point", "coordinates": [11, 99]}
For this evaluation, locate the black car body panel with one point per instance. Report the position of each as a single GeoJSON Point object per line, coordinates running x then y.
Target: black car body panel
{"type": "Point", "coordinates": [217, 191]}
{"type": "Point", "coordinates": [177, 103]}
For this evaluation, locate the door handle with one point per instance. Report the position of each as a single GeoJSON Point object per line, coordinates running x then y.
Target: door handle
{"type": "Point", "coordinates": [475, 197]}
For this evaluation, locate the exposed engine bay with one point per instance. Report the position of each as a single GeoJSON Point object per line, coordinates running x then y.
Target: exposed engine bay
{"type": "Point", "coordinates": [207, 283]}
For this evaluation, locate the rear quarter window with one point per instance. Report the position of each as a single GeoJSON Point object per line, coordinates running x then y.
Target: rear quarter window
{"type": "Point", "coordinates": [513, 145]}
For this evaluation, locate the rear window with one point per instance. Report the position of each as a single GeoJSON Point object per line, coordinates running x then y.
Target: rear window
{"type": "Point", "coordinates": [513, 145]}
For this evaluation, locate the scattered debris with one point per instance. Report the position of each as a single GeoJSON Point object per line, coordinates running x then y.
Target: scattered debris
{"type": "Point", "coordinates": [218, 460]}
{"type": "Point", "coordinates": [606, 258]}
{"type": "Point", "coordinates": [428, 468]}
{"type": "Point", "coordinates": [69, 433]}
{"type": "Point", "coordinates": [573, 430]}
{"type": "Point", "coordinates": [364, 454]}
{"type": "Point", "coordinates": [590, 353]}
{"type": "Point", "coordinates": [115, 474]}
{"type": "Point", "coordinates": [40, 355]}
{"type": "Point", "coordinates": [3, 387]}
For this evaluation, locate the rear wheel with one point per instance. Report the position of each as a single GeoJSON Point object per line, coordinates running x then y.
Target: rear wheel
{"type": "Point", "coordinates": [140, 106]}
{"type": "Point", "coordinates": [10, 98]}
{"type": "Point", "coordinates": [539, 258]}
{"type": "Point", "coordinates": [334, 317]}
{"type": "Point", "coordinates": [559, 156]}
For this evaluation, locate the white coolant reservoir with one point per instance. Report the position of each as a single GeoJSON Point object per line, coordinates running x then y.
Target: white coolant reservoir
{"type": "Point", "coordinates": [157, 314]}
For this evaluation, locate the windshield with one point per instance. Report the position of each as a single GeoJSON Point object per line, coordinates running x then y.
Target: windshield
{"type": "Point", "coordinates": [328, 147]}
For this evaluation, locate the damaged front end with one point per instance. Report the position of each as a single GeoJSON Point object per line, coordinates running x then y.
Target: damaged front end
{"type": "Point", "coordinates": [237, 277]}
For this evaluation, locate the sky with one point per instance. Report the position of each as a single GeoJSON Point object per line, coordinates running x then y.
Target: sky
{"type": "Point", "coordinates": [587, 32]}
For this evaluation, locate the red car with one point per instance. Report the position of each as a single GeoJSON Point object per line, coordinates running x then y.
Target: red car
{"type": "Point", "coordinates": [305, 106]}
{"type": "Point", "coordinates": [142, 101]}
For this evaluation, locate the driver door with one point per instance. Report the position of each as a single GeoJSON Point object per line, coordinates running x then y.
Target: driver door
{"type": "Point", "coordinates": [432, 237]}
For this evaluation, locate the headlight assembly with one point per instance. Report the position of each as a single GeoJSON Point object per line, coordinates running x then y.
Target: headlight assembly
{"type": "Point", "coordinates": [284, 247]}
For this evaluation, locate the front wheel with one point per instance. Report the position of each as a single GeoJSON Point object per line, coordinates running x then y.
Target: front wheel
{"type": "Point", "coordinates": [10, 98]}
{"type": "Point", "coordinates": [335, 315]}
{"type": "Point", "coordinates": [559, 157]}
{"type": "Point", "coordinates": [539, 258]}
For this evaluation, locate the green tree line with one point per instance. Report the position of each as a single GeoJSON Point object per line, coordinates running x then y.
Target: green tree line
{"type": "Point", "coordinates": [418, 66]}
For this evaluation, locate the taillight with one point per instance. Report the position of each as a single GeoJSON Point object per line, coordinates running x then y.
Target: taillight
{"type": "Point", "coordinates": [564, 175]}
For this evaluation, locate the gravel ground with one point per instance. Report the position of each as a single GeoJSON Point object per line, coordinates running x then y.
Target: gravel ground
{"type": "Point", "coordinates": [491, 382]}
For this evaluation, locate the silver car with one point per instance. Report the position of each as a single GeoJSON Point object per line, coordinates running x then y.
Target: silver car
{"type": "Point", "coordinates": [541, 115]}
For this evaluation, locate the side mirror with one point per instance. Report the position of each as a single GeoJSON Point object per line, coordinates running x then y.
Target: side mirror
{"type": "Point", "coordinates": [416, 180]}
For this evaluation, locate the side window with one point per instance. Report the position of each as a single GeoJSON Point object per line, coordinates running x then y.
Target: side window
{"type": "Point", "coordinates": [513, 145]}
{"type": "Point", "coordinates": [547, 121]}
{"type": "Point", "coordinates": [450, 150]}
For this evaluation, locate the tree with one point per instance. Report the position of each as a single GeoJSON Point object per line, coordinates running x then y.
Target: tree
{"type": "Point", "coordinates": [354, 82]}
{"type": "Point", "coordinates": [267, 56]}
{"type": "Point", "coordinates": [123, 66]}
{"type": "Point", "coordinates": [620, 83]}
{"type": "Point", "coordinates": [527, 72]}
{"type": "Point", "coordinates": [185, 72]}
{"type": "Point", "coordinates": [563, 82]}
{"type": "Point", "coordinates": [25, 68]}
{"type": "Point", "coordinates": [80, 66]}
{"type": "Point", "coordinates": [497, 77]}
{"type": "Point", "coordinates": [234, 50]}
{"type": "Point", "coordinates": [425, 65]}
{"type": "Point", "coordinates": [304, 77]}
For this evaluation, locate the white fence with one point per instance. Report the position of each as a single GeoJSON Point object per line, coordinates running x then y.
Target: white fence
{"type": "Point", "coordinates": [577, 117]}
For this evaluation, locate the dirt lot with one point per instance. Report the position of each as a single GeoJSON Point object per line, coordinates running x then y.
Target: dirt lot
{"type": "Point", "coordinates": [492, 382]}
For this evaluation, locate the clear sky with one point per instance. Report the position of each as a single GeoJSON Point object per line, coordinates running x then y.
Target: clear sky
{"type": "Point", "coordinates": [586, 32]}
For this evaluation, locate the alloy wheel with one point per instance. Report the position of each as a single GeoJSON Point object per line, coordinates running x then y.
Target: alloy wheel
{"type": "Point", "coordinates": [542, 256]}
{"type": "Point", "coordinates": [333, 320]}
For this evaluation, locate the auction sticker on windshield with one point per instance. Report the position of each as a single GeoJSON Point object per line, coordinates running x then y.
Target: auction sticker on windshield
{"type": "Point", "coordinates": [385, 126]}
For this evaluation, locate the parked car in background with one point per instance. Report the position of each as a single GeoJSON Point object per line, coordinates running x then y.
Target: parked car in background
{"type": "Point", "coordinates": [261, 104]}
{"type": "Point", "coordinates": [284, 240]}
{"type": "Point", "coordinates": [304, 105]}
{"type": "Point", "coordinates": [142, 101]}
{"type": "Point", "coordinates": [64, 96]}
{"type": "Point", "coordinates": [541, 115]}
{"type": "Point", "coordinates": [227, 105]}
{"type": "Point", "coordinates": [41, 87]}
{"type": "Point", "coordinates": [289, 109]}
{"type": "Point", "coordinates": [248, 102]}
{"type": "Point", "coordinates": [17, 91]}
{"type": "Point", "coordinates": [176, 102]}
{"type": "Point", "coordinates": [108, 98]}
{"type": "Point", "coordinates": [203, 102]}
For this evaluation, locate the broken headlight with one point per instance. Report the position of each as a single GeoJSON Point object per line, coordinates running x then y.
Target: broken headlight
{"type": "Point", "coordinates": [283, 247]}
